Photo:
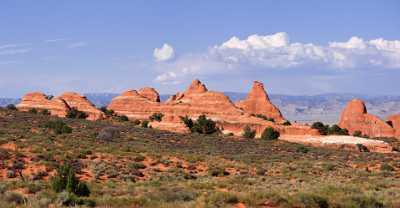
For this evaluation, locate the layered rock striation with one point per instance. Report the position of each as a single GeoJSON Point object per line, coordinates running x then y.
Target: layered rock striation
{"type": "Point", "coordinates": [257, 102]}
{"type": "Point", "coordinates": [356, 118]}
{"type": "Point", "coordinates": [59, 106]}
{"type": "Point", "coordinates": [81, 103]}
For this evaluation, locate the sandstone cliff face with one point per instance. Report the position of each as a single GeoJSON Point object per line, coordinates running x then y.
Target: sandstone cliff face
{"type": "Point", "coordinates": [133, 105]}
{"type": "Point", "coordinates": [356, 118]}
{"type": "Point", "coordinates": [257, 102]}
{"type": "Point", "coordinates": [75, 100]}
{"type": "Point", "coordinates": [395, 122]}
{"type": "Point", "coordinates": [149, 93]}
{"type": "Point", "coordinates": [39, 101]}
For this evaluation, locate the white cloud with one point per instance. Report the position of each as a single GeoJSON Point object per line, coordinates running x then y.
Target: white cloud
{"type": "Point", "coordinates": [54, 40]}
{"type": "Point", "coordinates": [15, 51]}
{"type": "Point", "coordinates": [275, 51]}
{"type": "Point", "coordinates": [165, 53]}
{"type": "Point", "coordinates": [77, 44]}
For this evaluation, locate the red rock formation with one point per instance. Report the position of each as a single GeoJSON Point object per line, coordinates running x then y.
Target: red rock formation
{"type": "Point", "coordinates": [193, 102]}
{"type": "Point", "coordinates": [257, 102]}
{"type": "Point", "coordinates": [75, 100]}
{"type": "Point", "coordinates": [356, 118]}
{"type": "Point", "coordinates": [39, 101]}
{"type": "Point", "coordinates": [134, 105]}
{"type": "Point", "coordinates": [395, 122]}
{"type": "Point", "coordinates": [150, 93]}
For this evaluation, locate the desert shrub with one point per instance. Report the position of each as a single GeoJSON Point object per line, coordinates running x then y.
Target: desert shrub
{"type": "Point", "coordinates": [136, 122]}
{"type": "Point", "coordinates": [217, 171]}
{"type": "Point", "coordinates": [65, 180]}
{"type": "Point", "coordinates": [221, 199]}
{"type": "Point", "coordinates": [336, 130]}
{"type": "Point", "coordinates": [15, 198]}
{"type": "Point", "coordinates": [108, 134]}
{"type": "Point", "coordinates": [323, 129]}
{"type": "Point", "coordinates": [145, 124]}
{"type": "Point", "coordinates": [45, 112]}
{"type": "Point", "coordinates": [203, 125]}
{"type": "Point", "coordinates": [248, 132]}
{"type": "Point", "coordinates": [362, 148]}
{"type": "Point", "coordinates": [187, 121]}
{"type": "Point", "coordinates": [264, 117]}
{"type": "Point", "coordinates": [302, 149]}
{"type": "Point", "coordinates": [11, 107]}
{"type": "Point", "coordinates": [139, 158]}
{"type": "Point", "coordinates": [287, 123]}
{"type": "Point", "coordinates": [33, 111]}
{"type": "Point", "coordinates": [386, 167]}
{"type": "Point", "coordinates": [312, 200]}
{"type": "Point", "coordinates": [58, 127]}
{"type": "Point", "coordinates": [357, 133]}
{"type": "Point", "coordinates": [122, 118]}
{"type": "Point", "coordinates": [270, 134]}
{"type": "Point", "coordinates": [75, 113]}
{"type": "Point", "coordinates": [365, 201]}
{"type": "Point", "coordinates": [137, 165]}
{"type": "Point", "coordinates": [156, 117]}
{"type": "Point", "coordinates": [106, 111]}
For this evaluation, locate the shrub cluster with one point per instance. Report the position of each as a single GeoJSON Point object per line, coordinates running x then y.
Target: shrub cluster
{"type": "Point", "coordinates": [248, 132]}
{"type": "Point", "coordinates": [11, 107]}
{"type": "Point", "coordinates": [329, 130]}
{"type": "Point", "coordinates": [156, 117]}
{"type": "Point", "coordinates": [58, 127]}
{"type": "Point", "coordinates": [75, 113]}
{"type": "Point", "coordinates": [202, 125]}
{"type": "Point", "coordinates": [270, 133]}
{"type": "Point", "coordinates": [107, 112]}
{"type": "Point", "coordinates": [65, 180]}
{"type": "Point", "coordinates": [263, 117]}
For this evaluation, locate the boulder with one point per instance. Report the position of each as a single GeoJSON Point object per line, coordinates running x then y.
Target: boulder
{"type": "Point", "coordinates": [356, 118]}
{"type": "Point", "coordinates": [149, 93]}
{"type": "Point", "coordinates": [39, 101]}
{"type": "Point", "coordinates": [81, 103]}
{"type": "Point", "coordinates": [108, 134]}
{"type": "Point", "coordinates": [258, 102]}
{"type": "Point", "coordinates": [394, 121]}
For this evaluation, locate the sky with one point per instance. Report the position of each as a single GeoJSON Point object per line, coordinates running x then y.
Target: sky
{"type": "Point", "coordinates": [293, 47]}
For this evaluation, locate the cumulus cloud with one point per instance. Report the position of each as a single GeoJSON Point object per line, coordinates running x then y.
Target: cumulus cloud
{"type": "Point", "coordinates": [276, 51]}
{"type": "Point", "coordinates": [165, 53]}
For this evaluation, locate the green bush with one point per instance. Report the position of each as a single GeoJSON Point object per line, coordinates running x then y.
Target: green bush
{"type": "Point", "coordinates": [362, 148]}
{"type": "Point", "coordinates": [65, 180]}
{"type": "Point", "coordinates": [75, 113]}
{"type": "Point", "coordinates": [270, 134]}
{"type": "Point", "coordinates": [145, 124]}
{"type": "Point", "coordinates": [323, 129]}
{"type": "Point", "coordinates": [336, 130]}
{"type": "Point", "coordinates": [136, 122]}
{"type": "Point", "coordinates": [248, 133]}
{"type": "Point", "coordinates": [45, 112]}
{"type": "Point", "coordinates": [156, 117]}
{"type": "Point", "coordinates": [58, 127]}
{"type": "Point", "coordinates": [106, 111]}
{"type": "Point", "coordinates": [33, 111]}
{"type": "Point", "coordinates": [187, 121]}
{"type": "Point", "coordinates": [204, 125]}
{"type": "Point", "coordinates": [264, 117]}
{"type": "Point", "coordinates": [386, 167]}
{"type": "Point", "coordinates": [11, 107]}
{"type": "Point", "coordinates": [287, 123]}
{"type": "Point", "coordinates": [357, 133]}
{"type": "Point", "coordinates": [122, 118]}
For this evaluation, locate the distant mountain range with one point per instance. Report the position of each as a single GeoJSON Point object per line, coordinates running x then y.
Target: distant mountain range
{"type": "Point", "coordinates": [305, 109]}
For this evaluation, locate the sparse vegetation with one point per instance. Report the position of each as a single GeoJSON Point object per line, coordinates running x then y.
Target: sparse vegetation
{"type": "Point", "coordinates": [248, 132]}
{"type": "Point", "coordinates": [145, 124]}
{"type": "Point", "coordinates": [263, 117]}
{"type": "Point", "coordinates": [11, 107]}
{"type": "Point", "coordinates": [152, 168]}
{"type": "Point", "coordinates": [270, 134]}
{"type": "Point", "coordinates": [75, 113]}
{"type": "Point", "coordinates": [156, 117]}
{"type": "Point", "coordinates": [329, 130]}
{"type": "Point", "coordinates": [58, 127]}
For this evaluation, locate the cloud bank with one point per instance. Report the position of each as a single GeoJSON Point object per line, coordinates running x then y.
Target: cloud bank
{"type": "Point", "coordinates": [165, 53]}
{"type": "Point", "coordinates": [277, 52]}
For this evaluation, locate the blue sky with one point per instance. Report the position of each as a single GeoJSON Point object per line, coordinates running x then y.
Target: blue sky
{"type": "Point", "coordinates": [294, 47]}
